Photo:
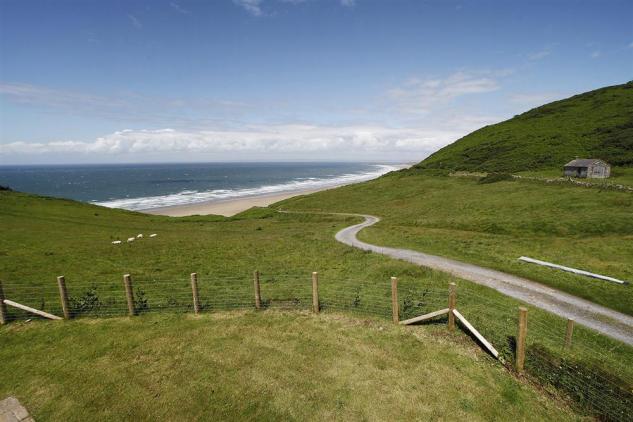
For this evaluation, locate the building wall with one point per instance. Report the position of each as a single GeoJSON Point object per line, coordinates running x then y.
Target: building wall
{"type": "Point", "coordinates": [599, 171]}
{"type": "Point", "coordinates": [575, 171]}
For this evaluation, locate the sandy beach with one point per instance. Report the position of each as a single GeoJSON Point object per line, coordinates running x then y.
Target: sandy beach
{"type": "Point", "coordinates": [226, 207]}
{"type": "Point", "coordinates": [230, 207]}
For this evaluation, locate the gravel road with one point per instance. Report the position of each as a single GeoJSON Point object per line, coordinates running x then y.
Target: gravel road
{"type": "Point", "coordinates": [606, 321]}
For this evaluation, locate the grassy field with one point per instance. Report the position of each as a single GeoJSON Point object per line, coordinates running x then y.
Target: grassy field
{"type": "Point", "coordinates": [494, 224]}
{"type": "Point", "coordinates": [44, 237]}
{"type": "Point", "coordinates": [149, 368]}
{"type": "Point", "coordinates": [264, 366]}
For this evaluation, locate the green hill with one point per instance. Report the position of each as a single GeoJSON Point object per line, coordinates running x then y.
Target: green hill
{"type": "Point", "coordinates": [45, 237]}
{"type": "Point", "coordinates": [167, 364]}
{"type": "Point", "coordinates": [596, 124]}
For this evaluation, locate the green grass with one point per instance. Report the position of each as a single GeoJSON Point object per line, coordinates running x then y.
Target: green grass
{"type": "Point", "coordinates": [596, 124]}
{"type": "Point", "coordinates": [43, 238]}
{"type": "Point", "coordinates": [494, 224]}
{"type": "Point", "coordinates": [264, 366]}
{"type": "Point", "coordinates": [619, 175]}
{"type": "Point", "coordinates": [271, 366]}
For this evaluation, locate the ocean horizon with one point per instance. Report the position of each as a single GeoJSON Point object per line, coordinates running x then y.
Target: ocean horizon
{"type": "Point", "coordinates": [146, 186]}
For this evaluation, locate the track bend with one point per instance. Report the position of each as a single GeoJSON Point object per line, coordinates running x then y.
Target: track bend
{"type": "Point", "coordinates": [604, 320]}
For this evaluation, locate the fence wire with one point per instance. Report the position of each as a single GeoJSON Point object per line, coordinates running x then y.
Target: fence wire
{"type": "Point", "coordinates": [595, 373]}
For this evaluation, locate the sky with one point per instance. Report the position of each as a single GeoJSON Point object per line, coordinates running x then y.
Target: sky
{"type": "Point", "coordinates": [285, 80]}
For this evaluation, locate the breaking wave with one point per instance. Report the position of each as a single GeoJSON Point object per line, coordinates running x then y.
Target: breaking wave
{"type": "Point", "coordinates": [187, 197]}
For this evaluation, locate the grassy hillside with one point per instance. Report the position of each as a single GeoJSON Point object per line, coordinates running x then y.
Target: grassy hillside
{"type": "Point", "coordinates": [619, 176]}
{"type": "Point", "coordinates": [44, 237]}
{"type": "Point", "coordinates": [257, 366]}
{"type": "Point", "coordinates": [596, 124]}
{"type": "Point", "coordinates": [494, 224]}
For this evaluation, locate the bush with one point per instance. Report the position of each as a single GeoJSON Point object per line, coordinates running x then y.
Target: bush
{"type": "Point", "coordinates": [140, 302]}
{"type": "Point", "coordinates": [415, 304]}
{"type": "Point", "coordinates": [495, 177]}
{"type": "Point", "coordinates": [5, 188]}
{"type": "Point", "coordinates": [88, 303]}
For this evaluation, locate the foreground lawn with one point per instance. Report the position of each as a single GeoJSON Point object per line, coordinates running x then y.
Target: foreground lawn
{"type": "Point", "coordinates": [494, 224]}
{"type": "Point", "coordinates": [266, 366]}
{"type": "Point", "coordinates": [44, 237]}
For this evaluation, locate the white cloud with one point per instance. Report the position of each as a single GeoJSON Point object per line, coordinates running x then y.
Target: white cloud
{"type": "Point", "coordinates": [135, 21]}
{"type": "Point", "coordinates": [539, 55]}
{"type": "Point", "coordinates": [38, 95]}
{"type": "Point", "coordinates": [317, 141]}
{"type": "Point", "coordinates": [178, 8]}
{"type": "Point", "coordinates": [420, 95]}
{"type": "Point", "coordinates": [220, 130]}
{"type": "Point", "coordinates": [596, 54]}
{"type": "Point", "coordinates": [123, 106]}
{"type": "Point", "coordinates": [254, 7]}
{"type": "Point", "coordinates": [251, 6]}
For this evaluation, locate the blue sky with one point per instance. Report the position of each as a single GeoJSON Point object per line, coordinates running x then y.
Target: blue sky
{"type": "Point", "coordinates": [229, 80]}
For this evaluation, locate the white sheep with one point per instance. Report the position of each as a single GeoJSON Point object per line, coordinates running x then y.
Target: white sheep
{"type": "Point", "coordinates": [139, 236]}
{"type": "Point", "coordinates": [131, 239]}
{"type": "Point", "coordinates": [152, 235]}
{"type": "Point", "coordinates": [116, 242]}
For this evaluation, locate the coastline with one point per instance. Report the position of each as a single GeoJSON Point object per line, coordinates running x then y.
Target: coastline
{"type": "Point", "coordinates": [230, 207]}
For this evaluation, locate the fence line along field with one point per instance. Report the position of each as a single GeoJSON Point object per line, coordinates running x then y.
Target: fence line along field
{"type": "Point", "coordinates": [65, 238]}
{"type": "Point", "coordinates": [551, 355]}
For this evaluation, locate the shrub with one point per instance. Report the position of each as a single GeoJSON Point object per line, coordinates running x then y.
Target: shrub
{"type": "Point", "coordinates": [140, 301]}
{"type": "Point", "coordinates": [495, 177]}
{"type": "Point", "coordinates": [415, 304]}
{"type": "Point", "coordinates": [86, 304]}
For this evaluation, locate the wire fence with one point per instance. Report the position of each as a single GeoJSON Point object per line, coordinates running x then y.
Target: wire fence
{"type": "Point", "coordinates": [594, 372]}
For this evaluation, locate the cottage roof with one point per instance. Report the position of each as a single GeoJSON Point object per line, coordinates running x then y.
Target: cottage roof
{"type": "Point", "coordinates": [584, 162]}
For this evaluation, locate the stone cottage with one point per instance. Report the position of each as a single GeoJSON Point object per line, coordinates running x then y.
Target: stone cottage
{"type": "Point", "coordinates": [588, 167]}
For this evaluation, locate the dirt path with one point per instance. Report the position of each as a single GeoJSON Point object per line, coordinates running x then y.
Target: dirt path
{"type": "Point", "coordinates": [606, 321]}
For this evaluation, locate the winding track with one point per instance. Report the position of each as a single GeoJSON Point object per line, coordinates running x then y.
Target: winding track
{"type": "Point", "coordinates": [606, 321]}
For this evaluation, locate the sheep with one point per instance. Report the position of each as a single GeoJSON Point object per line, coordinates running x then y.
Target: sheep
{"type": "Point", "coordinates": [139, 236]}
{"type": "Point", "coordinates": [152, 235]}
{"type": "Point", "coordinates": [131, 239]}
{"type": "Point", "coordinates": [116, 242]}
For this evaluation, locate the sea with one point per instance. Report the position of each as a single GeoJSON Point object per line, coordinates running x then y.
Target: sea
{"type": "Point", "coordinates": [146, 186]}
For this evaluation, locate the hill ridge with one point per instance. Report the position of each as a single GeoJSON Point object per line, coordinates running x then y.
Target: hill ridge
{"type": "Point", "coordinates": [594, 124]}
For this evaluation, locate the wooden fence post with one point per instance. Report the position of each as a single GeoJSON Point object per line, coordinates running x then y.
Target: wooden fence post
{"type": "Point", "coordinates": [315, 292]}
{"type": "Point", "coordinates": [196, 294]}
{"type": "Point", "coordinates": [63, 296]}
{"type": "Point", "coordinates": [569, 333]}
{"type": "Point", "coordinates": [521, 338]}
{"type": "Point", "coordinates": [395, 310]}
{"type": "Point", "coordinates": [452, 303]}
{"type": "Point", "coordinates": [4, 318]}
{"type": "Point", "coordinates": [258, 296]}
{"type": "Point", "coordinates": [129, 294]}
